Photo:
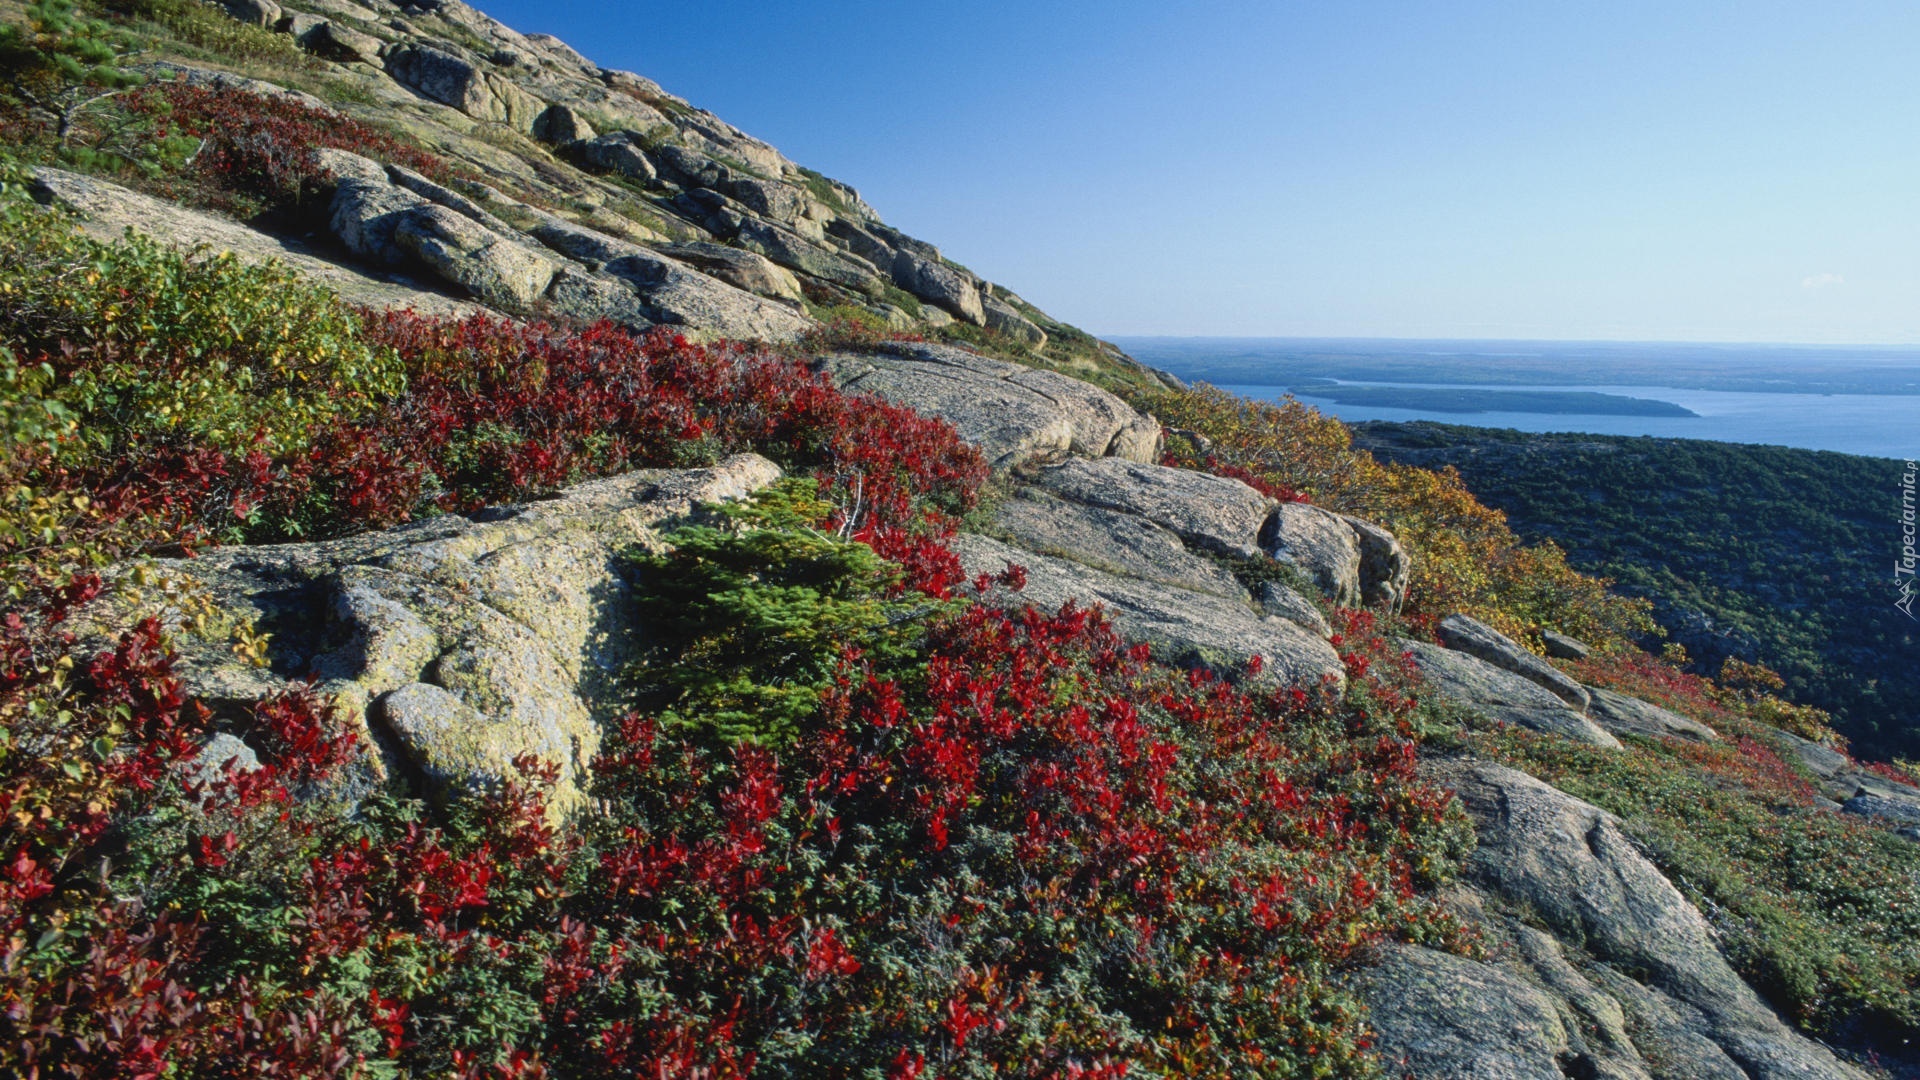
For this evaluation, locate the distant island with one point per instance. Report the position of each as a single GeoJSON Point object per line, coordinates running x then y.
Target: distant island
{"type": "Point", "coordinates": [1449, 400]}
{"type": "Point", "coordinates": [1769, 369]}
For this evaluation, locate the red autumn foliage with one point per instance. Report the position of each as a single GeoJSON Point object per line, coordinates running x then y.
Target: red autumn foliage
{"type": "Point", "coordinates": [263, 147]}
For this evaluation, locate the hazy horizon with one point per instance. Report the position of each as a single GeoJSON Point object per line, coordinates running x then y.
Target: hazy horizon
{"type": "Point", "coordinates": [1703, 343]}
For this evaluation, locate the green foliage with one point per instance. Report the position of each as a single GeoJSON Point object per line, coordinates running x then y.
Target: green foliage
{"type": "Point", "coordinates": [903, 300]}
{"type": "Point", "coordinates": [206, 29]}
{"type": "Point", "coordinates": [1786, 551]}
{"type": "Point", "coordinates": [824, 190]}
{"type": "Point", "coordinates": [58, 64]}
{"type": "Point", "coordinates": [203, 348]}
{"type": "Point", "coordinates": [752, 617]}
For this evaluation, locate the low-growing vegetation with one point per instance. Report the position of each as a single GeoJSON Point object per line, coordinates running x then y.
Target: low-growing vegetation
{"type": "Point", "coordinates": [920, 836]}
{"type": "Point", "coordinates": [865, 818]}
{"type": "Point", "coordinates": [1819, 911]}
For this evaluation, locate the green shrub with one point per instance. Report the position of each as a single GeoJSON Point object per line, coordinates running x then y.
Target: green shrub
{"type": "Point", "coordinates": [752, 617]}
{"type": "Point", "coordinates": [211, 31]}
{"type": "Point", "coordinates": [151, 344]}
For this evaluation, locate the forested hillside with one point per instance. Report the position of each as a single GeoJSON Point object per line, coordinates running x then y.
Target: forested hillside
{"type": "Point", "coordinates": [1763, 553]}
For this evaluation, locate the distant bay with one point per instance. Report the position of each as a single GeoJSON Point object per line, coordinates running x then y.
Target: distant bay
{"type": "Point", "coordinates": [1772, 395]}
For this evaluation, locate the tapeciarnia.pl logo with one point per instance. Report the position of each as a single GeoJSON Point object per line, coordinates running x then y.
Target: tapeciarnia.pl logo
{"type": "Point", "coordinates": [1903, 568]}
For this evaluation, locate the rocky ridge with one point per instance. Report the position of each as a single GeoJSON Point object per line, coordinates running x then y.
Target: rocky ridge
{"type": "Point", "coordinates": [606, 196]}
{"type": "Point", "coordinates": [458, 643]}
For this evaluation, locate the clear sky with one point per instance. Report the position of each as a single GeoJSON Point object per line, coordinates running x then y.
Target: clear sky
{"type": "Point", "coordinates": [1677, 170]}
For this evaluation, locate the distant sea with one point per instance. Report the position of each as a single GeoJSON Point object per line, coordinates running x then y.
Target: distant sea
{"type": "Point", "coordinates": [1855, 400]}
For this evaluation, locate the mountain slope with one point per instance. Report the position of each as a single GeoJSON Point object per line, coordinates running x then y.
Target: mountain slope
{"type": "Point", "coordinates": [538, 611]}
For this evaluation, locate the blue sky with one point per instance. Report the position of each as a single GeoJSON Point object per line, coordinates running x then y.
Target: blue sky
{"type": "Point", "coordinates": [1650, 171]}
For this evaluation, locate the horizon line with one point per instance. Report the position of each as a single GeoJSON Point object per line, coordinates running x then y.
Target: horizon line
{"type": "Point", "coordinates": [1519, 341]}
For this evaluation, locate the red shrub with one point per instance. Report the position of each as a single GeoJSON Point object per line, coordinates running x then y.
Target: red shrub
{"type": "Point", "coordinates": [259, 146]}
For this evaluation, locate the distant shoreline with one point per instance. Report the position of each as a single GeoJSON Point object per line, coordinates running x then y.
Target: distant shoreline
{"type": "Point", "coordinates": [1446, 400]}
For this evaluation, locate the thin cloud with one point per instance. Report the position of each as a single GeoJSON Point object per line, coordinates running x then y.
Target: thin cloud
{"type": "Point", "coordinates": [1821, 281]}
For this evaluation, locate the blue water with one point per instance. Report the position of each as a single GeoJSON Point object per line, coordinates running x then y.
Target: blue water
{"type": "Point", "coordinates": [1827, 397]}
{"type": "Point", "coordinates": [1885, 426]}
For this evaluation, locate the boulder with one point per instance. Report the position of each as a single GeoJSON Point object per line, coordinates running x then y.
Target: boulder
{"type": "Point", "coordinates": [299, 24]}
{"type": "Point", "coordinates": [689, 168]}
{"type": "Point", "coordinates": [712, 211]}
{"type": "Point", "coordinates": [1893, 808]}
{"type": "Point", "coordinates": [1436, 1015]}
{"type": "Point", "coordinates": [1187, 628]}
{"type": "Point", "coordinates": [1836, 774]}
{"type": "Point", "coordinates": [338, 42]}
{"type": "Point", "coordinates": [1561, 647]}
{"type": "Point", "coordinates": [1823, 762]}
{"type": "Point", "coordinates": [1469, 635]}
{"type": "Point", "coordinates": [1571, 865]}
{"type": "Point", "coordinates": [779, 202]}
{"type": "Point", "coordinates": [1501, 695]}
{"type": "Point", "coordinates": [935, 281]}
{"type": "Point", "coordinates": [457, 643]}
{"type": "Point", "coordinates": [261, 13]}
{"type": "Point", "coordinates": [862, 242]}
{"type": "Point", "coordinates": [446, 233]}
{"type": "Point", "coordinates": [1215, 513]}
{"type": "Point", "coordinates": [1278, 600]}
{"type": "Point", "coordinates": [616, 151]}
{"type": "Point", "coordinates": [708, 134]}
{"type": "Point", "coordinates": [669, 292]}
{"type": "Point", "coordinates": [1385, 566]}
{"type": "Point", "coordinates": [1321, 544]}
{"type": "Point", "coordinates": [587, 296]}
{"type": "Point", "coordinates": [1533, 1001]}
{"type": "Point", "coordinates": [584, 245]}
{"type": "Point", "coordinates": [1110, 540]}
{"type": "Point", "coordinates": [210, 765]}
{"type": "Point", "coordinates": [342, 9]}
{"type": "Point", "coordinates": [343, 165]}
{"type": "Point", "coordinates": [443, 76]}
{"type": "Point", "coordinates": [792, 250]}
{"type": "Point", "coordinates": [228, 81]}
{"type": "Point", "coordinates": [680, 296]}
{"type": "Point", "coordinates": [1625, 715]}
{"type": "Point", "coordinates": [447, 197]}
{"type": "Point", "coordinates": [1015, 415]}
{"type": "Point", "coordinates": [741, 269]}
{"type": "Point", "coordinates": [497, 270]}
{"type": "Point", "coordinates": [1004, 318]}
{"type": "Point", "coordinates": [452, 79]}
{"type": "Point", "coordinates": [365, 215]}
{"type": "Point", "coordinates": [1668, 1034]}
{"type": "Point", "coordinates": [563, 125]}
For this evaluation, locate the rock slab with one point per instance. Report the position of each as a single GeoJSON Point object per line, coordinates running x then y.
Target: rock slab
{"type": "Point", "coordinates": [1186, 628]}
{"type": "Point", "coordinates": [457, 643]}
{"type": "Point", "coordinates": [1475, 638]}
{"type": "Point", "coordinates": [1501, 695]}
{"type": "Point", "coordinates": [1015, 415]}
